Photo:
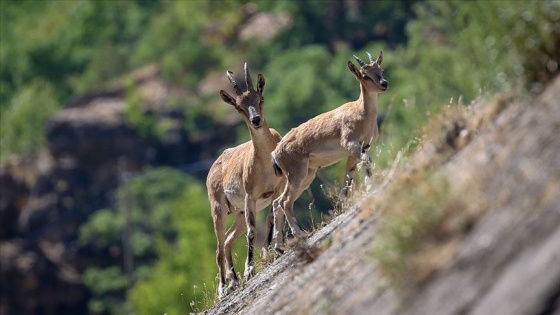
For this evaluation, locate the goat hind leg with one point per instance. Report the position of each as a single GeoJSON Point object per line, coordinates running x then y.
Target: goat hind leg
{"type": "Point", "coordinates": [278, 227]}
{"type": "Point", "coordinates": [218, 217]}
{"type": "Point", "coordinates": [296, 186]}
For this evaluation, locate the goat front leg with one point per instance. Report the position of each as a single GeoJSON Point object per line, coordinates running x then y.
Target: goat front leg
{"type": "Point", "coordinates": [351, 165]}
{"type": "Point", "coordinates": [358, 153]}
{"type": "Point", "coordinates": [369, 174]}
{"type": "Point", "coordinates": [250, 215]}
{"type": "Point", "coordinates": [357, 150]}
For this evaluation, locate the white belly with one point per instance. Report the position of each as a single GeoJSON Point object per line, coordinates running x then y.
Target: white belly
{"type": "Point", "coordinates": [236, 198]}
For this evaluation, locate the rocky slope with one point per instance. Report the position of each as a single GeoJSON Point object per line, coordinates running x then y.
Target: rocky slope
{"type": "Point", "coordinates": [501, 165]}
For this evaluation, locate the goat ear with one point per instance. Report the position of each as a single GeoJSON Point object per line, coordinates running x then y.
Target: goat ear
{"type": "Point", "coordinates": [228, 98]}
{"type": "Point", "coordinates": [354, 70]}
{"type": "Point", "coordinates": [380, 58]}
{"type": "Point", "coordinates": [260, 84]}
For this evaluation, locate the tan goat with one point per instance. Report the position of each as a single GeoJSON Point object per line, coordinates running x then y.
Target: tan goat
{"type": "Point", "coordinates": [242, 181]}
{"type": "Point", "coordinates": [344, 132]}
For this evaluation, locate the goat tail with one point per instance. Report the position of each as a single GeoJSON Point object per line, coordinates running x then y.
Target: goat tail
{"type": "Point", "coordinates": [277, 169]}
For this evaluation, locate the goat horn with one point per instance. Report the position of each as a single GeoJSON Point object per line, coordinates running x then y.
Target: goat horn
{"type": "Point", "coordinates": [235, 86]}
{"type": "Point", "coordinates": [360, 61]}
{"type": "Point", "coordinates": [370, 57]}
{"type": "Point", "coordinates": [248, 80]}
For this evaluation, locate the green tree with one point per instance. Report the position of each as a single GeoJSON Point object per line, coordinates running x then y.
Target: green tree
{"type": "Point", "coordinates": [74, 45]}
{"type": "Point", "coordinates": [181, 38]}
{"type": "Point", "coordinates": [142, 219]}
{"type": "Point", "coordinates": [330, 23]}
{"type": "Point", "coordinates": [461, 50]}
{"type": "Point", "coordinates": [21, 123]}
{"type": "Point", "coordinates": [183, 280]}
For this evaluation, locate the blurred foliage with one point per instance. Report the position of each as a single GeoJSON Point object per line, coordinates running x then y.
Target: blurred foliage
{"type": "Point", "coordinates": [415, 211]}
{"type": "Point", "coordinates": [185, 271]}
{"type": "Point", "coordinates": [171, 242]}
{"type": "Point", "coordinates": [330, 24]}
{"type": "Point", "coordinates": [28, 112]}
{"type": "Point", "coordinates": [145, 208]}
{"type": "Point", "coordinates": [303, 86]}
{"type": "Point", "coordinates": [459, 51]}
{"type": "Point", "coordinates": [181, 39]}
{"type": "Point", "coordinates": [75, 45]}
{"type": "Point", "coordinates": [143, 121]}
{"type": "Point", "coordinates": [105, 284]}
{"type": "Point", "coordinates": [436, 53]}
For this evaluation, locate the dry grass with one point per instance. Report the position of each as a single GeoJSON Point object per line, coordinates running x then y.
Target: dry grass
{"type": "Point", "coordinates": [304, 252]}
{"type": "Point", "coordinates": [267, 257]}
{"type": "Point", "coordinates": [424, 211]}
{"type": "Point", "coordinates": [209, 299]}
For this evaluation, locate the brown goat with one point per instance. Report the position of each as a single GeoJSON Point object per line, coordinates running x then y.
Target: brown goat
{"type": "Point", "coordinates": [242, 181]}
{"type": "Point", "coordinates": [344, 132]}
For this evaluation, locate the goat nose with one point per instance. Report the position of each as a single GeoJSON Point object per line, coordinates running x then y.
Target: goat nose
{"type": "Point", "coordinates": [384, 83]}
{"type": "Point", "coordinates": [256, 120]}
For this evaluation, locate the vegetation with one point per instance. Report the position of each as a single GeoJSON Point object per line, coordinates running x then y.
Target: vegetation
{"type": "Point", "coordinates": [137, 229]}
{"type": "Point", "coordinates": [425, 211]}
{"type": "Point", "coordinates": [436, 53]}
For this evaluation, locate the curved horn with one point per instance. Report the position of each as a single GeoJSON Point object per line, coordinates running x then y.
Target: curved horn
{"type": "Point", "coordinates": [370, 57]}
{"type": "Point", "coordinates": [359, 61]}
{"type": "Point", "coordinates": [248, 80]}
{"type": "Point", "coordinates": [235, 86]}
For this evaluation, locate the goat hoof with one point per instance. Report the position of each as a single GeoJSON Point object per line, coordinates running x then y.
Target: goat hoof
{"type": "Point", "coordinates": [266, 252]}
{"type": "Point", "coordinates": [270, 254]}
{"type": "Point", "coordinates": [300, 235]}
{"type": "Point", "coordinates": [249, 272]}
{"type": "Point", "coordinates": [280, 249]}
{"type": "Point", "coordinates": [222, 291]}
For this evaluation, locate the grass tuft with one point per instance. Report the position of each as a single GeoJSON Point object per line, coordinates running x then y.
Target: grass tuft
{"type": "Point", "coordinates": [304, 252]}
{"type": "Point", "coordinates": [208, 300]}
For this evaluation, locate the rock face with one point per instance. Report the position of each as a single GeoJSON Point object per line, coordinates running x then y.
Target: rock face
{"type": "Point", "coordinates": [507, 262]}
{"type": "Point", "coordinates": [46, 197]}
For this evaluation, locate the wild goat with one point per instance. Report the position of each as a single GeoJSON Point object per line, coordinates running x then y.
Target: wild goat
{"type": "Point", "coordinates": [344, 132]}
{"type": "Point", "coordinates": [242, 181]}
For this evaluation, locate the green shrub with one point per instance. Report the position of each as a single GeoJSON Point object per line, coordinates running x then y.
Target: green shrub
{"type": "Point", "coordinates": [143, 121]}
{"type": "Point", "coordinates": [185, 270]}
{"type": "Point", "coordinates": [410, 220]}
{"type": "Point", "coordinates": [145, 207]}
{"type": "Point", "coordinates": [22, 124]}
{"type": "Point", "coordinates": [108, 286]}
